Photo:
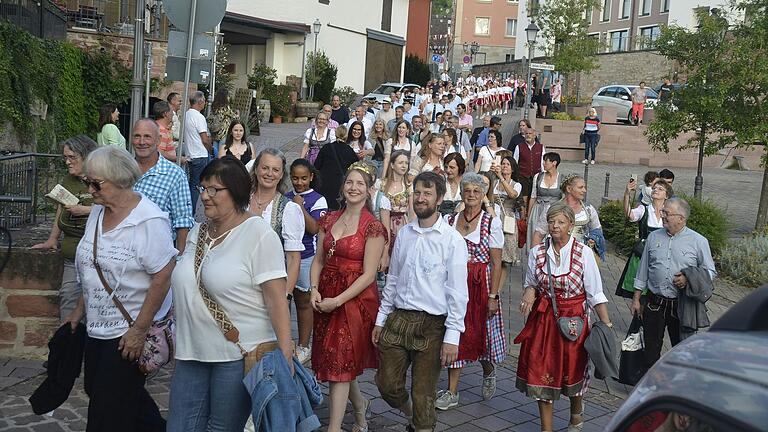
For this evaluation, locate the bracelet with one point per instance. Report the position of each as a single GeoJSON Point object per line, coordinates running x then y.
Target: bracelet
{"type": "Point", "coordinates": [494, 296]}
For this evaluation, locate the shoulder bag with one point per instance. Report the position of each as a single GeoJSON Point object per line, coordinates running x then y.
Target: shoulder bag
{"type": "Point", "coordinates": [231, 333]}
{"type": "Point", "coordinates": [570, 327]}
{"type": "Point", "coordinates": [160, 342]}
{"type": "Point", "coordinates": [509, 222]}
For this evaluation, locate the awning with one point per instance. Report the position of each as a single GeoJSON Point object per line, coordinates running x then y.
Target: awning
{"type": "Point", "coordinates": [249, 30]}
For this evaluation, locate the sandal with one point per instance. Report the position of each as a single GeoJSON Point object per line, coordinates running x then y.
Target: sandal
{"type": "Point", "coordinates": [366, 413]}
{"type": "Point", "coordinates": [577, 427]}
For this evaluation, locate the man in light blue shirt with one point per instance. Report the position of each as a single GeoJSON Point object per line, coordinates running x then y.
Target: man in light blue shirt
{"type": "Point", "coordinates": [667, 253]}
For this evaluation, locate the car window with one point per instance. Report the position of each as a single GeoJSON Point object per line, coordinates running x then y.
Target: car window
{"type": "Point", "coordinates": [385, 89]}
{"type": "Point", "coordinates": [651, 93]}
{"type": "Point", "coordinates": [621, 91]}
{"type": "Point", "coordinates": [608, 92]}
{"type": "Point", "coordinates": [678, 420]}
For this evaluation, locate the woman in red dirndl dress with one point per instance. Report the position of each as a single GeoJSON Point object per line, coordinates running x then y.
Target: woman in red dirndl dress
{"type": "Point", "coordinates": [549, 364]}
{"type": "Point", "coordinates": [342, 346]}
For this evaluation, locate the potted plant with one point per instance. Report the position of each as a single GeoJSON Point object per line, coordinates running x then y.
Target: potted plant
{"type": "Point", "coordinates": [280, 101]}
{"type": "Point", "coordinates": [261, 78]}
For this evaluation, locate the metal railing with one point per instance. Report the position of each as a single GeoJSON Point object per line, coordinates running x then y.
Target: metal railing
{"type": "Point", "coordinates": [114, 16]}
{"type": "Point", "coordinates": [25, 178]}
{"type": "Point", "coordinates": [41, 18]}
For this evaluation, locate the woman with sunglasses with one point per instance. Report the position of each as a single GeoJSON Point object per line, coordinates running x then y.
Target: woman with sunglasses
{"type": "Point", "coordinates": [127, 248]}
{"type": "Point", "coordinates": [70, 220]}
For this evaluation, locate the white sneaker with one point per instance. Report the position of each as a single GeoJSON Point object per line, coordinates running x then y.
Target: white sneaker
{"type": "Point", "coordinates": [489, 385]}
{"type": "Point", "coordinates": [304, 354]}
{"type": "Point", "coordinates": [593, 162]}
{"type": "Point", "coordinates": [446, 400]}
{"type": "Point", "coordinates": [585, 161]}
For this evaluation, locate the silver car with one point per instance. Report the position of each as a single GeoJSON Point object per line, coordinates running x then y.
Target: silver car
{"type": "Point", "coordinates": [714, 381]}
{"type": "Point", "coordinates": [620, 97]}
{"type": "Point", "coordinates": [384, 90]}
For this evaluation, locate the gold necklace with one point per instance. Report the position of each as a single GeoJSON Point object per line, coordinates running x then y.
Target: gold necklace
{"type": "Point", "coordinates": [260, 204]}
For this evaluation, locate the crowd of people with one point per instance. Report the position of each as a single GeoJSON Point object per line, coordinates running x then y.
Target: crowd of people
{"type": "Point", "coordinates": [393, 234]}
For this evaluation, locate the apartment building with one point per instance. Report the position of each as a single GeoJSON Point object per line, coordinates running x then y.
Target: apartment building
{"type": "Point", "coordinates": [492, 25]}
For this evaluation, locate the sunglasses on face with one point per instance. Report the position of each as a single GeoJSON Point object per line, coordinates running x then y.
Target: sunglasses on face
{"type": "Point", "coordinates": [95, 184]}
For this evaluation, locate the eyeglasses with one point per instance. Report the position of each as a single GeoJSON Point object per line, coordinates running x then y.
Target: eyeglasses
{"type": "Point", "coordinates": [95, 184]}
{"type": "Point", "coordinates": [666, 213]}
{"type": "Point", "coordinates": [210, 190]}
{"type": "Point", "coordinates": [661, 188]}
{"type": "Point", "coordinates": [71, 158]}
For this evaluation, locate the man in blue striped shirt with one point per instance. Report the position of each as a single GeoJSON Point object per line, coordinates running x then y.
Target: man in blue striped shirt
{"type": "Point", "coordinates": [162, 181]}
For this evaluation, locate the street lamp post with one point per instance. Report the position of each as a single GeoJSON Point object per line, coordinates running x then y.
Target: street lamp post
{"type": "Point", "coordinates": [316, 30]}
{"type": "Point", "coordinates": [530, 34]}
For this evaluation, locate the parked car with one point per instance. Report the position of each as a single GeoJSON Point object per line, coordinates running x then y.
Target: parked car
{"type": "Point", "coordinates": [714, 381]}
{"type": "Point", "coordinates": [620, 97]}
{"type": "Point", "coordinates": [384, 90]}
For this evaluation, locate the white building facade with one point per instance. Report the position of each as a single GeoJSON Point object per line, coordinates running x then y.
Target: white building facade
{"type": "Point", "coordinates": [364, 39]}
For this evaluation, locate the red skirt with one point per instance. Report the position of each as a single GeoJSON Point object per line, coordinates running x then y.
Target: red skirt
{"type": "Point", "coordinates": [342, 346]}
{"type": "Point", "coordinates": [549, 364]}
{"type": "Point", "coordinates": [472, 342]}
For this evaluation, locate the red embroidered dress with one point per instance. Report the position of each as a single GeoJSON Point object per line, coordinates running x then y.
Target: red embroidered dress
{"type": "Point", "coordinates": [549, 364]}
{"type": "Point", "coordinates": [342, 346]}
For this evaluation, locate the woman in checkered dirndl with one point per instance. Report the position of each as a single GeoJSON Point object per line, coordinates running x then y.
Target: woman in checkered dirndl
{"type": "Point", "coordinates": [483, 338]}
{"type": "Point", "coordinates": [550, 364]}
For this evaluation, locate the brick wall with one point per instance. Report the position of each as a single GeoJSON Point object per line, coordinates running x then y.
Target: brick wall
{"type": "Point", "coordinates": [121, 46]}
{"type": "Point", "coordinates": [29, 302]}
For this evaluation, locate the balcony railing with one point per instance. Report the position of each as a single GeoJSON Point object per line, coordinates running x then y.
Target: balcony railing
{"type": "Point", "coordinates": [43, 19]}
{"type": "Point", "coordinates": [114, 16]}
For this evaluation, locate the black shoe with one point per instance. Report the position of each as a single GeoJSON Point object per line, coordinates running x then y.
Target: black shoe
{"type": "Point", "coordinates": [409, 428]}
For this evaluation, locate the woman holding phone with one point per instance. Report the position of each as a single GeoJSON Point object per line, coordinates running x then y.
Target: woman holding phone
{"type": "Point", "coordinates": [487, 154]}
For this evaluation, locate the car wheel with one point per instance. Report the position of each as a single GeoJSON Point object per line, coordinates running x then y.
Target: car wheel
{"type": "Point", "coordinates": [631, 119]}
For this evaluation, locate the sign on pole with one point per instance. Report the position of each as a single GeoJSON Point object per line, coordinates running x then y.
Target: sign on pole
{"type": "Point", "coordinates": [466, 67]}
{"type": "Point", "coordinates": [437, 58]}
{"type": "Point", "coordinates": [467, 59]}
{"type": "Point", "coordinates": [542, 66]}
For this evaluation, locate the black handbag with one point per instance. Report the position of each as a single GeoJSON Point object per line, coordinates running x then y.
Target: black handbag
{"type": "Point", "coordinates": [632, 364]}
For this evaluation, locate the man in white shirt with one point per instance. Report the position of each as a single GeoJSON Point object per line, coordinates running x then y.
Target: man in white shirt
{"type": "Point", "coordinates": [409, 111]}
{"type": "Point", "coordinates": [361, 117]}
{"type": "Point", "coordinates": [174, 100]}
{"type": "Point", "coordinates": [433, 109]}
{"type": "Point", "coordinates": [423, 304]}
{"type": "Point", "coordinates": [445, 78]}
{"type": "Point", "coordinates": [197, 143]}
{"type": "Point", "coordinates": [386, 113]}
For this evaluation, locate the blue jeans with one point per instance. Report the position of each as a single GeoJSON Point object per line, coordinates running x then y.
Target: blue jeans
{"type": "Point", "coordinates": [196, 167]}
{"type": "Point", "coordinates": [590, 144]}
{"type": "Point", "coordinates": [208, 397]}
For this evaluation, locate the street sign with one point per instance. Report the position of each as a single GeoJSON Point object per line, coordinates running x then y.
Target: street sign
{"type": "Point", "coordinates": [208, 14]}
{"type": "Point", "coordinates": [200, 69]}
{"type": "Point", "coordinates": [466, 67]}
{"type": "Point", "coordinates": [437, 58]}
{"type": "Point", "coordinates": [542, 66]}
{"type": "Point", "coordinates": [467, 59]}
{"type": "Point", "coordinates": [203, 45]}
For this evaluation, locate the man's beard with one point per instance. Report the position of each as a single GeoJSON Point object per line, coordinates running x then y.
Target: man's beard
{"type": "Point", "coordinates": [425, 213]}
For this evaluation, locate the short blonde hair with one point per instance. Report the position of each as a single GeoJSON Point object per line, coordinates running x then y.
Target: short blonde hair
{"type": "Point", "coordinates": [561, 208]}
{"type": "Point", "coordinates": [592, 111]}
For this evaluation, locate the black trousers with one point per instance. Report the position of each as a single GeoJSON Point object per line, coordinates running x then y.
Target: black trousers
{"type": "Point", "coordinates": [118, 400]}
{"type": "Point", "coordinates": [659, 313]}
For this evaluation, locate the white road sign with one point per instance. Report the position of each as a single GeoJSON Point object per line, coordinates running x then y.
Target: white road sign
{"type": "Point", "coordinates": [542, 66]}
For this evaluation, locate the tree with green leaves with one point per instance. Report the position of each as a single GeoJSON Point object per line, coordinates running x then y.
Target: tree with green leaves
{"type": "Point", "coordinates": [442, 7]}
{"type": "Point", "coordinates": [723, 104]}
{"type": "Point", "coordinates": [565, 29]}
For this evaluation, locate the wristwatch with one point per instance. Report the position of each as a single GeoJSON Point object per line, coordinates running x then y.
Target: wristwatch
{"type": "Point", "coordinates": [289, 296]}
{"type": "Point", "coordinates": [493, 296]}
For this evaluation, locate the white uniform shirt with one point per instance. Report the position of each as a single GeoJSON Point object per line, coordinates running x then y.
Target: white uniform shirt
{"type": "Point", "coordinates": [428, 272]}
{"type": "Point", "coordinates": [232, 273]}
{"type": "Point", "coordinates": [593, 285]}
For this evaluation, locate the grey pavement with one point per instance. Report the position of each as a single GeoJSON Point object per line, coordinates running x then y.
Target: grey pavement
{"type": "Point", "coordinates": [509, 410]}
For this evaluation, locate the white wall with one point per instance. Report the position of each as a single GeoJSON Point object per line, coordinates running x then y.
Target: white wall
{"type": "Point", "coordinates": [681, 12]}
{"type": "Point", "coordinates": [345, 48]}
{"type": "Point", "coordinates": [521, 43]}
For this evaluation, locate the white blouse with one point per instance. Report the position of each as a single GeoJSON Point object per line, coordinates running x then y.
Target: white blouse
{"type": "Point", "coordinates": [293, 225]}
{"type": "Point", "coordinates": [356, 146]}
{"type": "Point", "coordinates": [500, 191]}
{"type": "Point", "coordinates": [487, 155]}
{"type": "Point", "coordinates": [232, 273]}
{"type": "Point", "coordinates": [593, 285]}
{"type": "Point", "coordinates": [536, 180]}
{"type": "Point", "coordinates": [329, 134]}
{"type": "Point", "coordinates": [496, 239]}
{"type": "Point", "coordinates": [637, 214]}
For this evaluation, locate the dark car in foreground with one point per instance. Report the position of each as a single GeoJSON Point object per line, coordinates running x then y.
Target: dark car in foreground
{"type": "Point", "coordinates": [714, 381]}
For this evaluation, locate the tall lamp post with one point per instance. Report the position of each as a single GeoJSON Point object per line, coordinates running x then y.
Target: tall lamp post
{"type": "Point", "coordinates": [316, 30]}
{"type": "Point", "coordinates": [530, 34]}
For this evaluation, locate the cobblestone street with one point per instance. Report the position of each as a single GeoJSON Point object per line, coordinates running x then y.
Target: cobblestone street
{"type": "Point", "coordinates": [509, 410]}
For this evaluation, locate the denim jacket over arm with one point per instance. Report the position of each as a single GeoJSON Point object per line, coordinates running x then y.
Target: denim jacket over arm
{"type": "Point", "coordinates": [281, 402]}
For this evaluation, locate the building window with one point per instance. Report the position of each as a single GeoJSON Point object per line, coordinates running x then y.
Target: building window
{"type": "Point", "coordinates": [626, 9]}
{"type": "Point", "coordinates": [511, 27]}
{"type": "Point", "coordinates": [606, 11]}
{"type": "Point", "coordinates": [513, 1]}
{"type": "Point", "coordinates": [596, 37]}
{"type": "Point", "coordinates": [645, 7]}
{"type": "Point", "coordinates": [509, 57]}
{"type": "Point", "coordinates": [648, 36]}
{"type": "Point", "coordinates": [588, 15]}
{"type": "Point", "coordinates": [664, 6]}
{"type": "Point", "coordinates": [619, 40]}
{"type": "Point", "coordinates": [386, 15]}
{"type": "Point", "coordinates": [533, 7]}
{"type": "Point", "coordinates": [482, 26]}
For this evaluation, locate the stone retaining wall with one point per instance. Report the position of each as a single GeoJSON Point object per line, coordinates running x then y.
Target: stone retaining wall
{"type": "Point", "coordinates": [29, 302]}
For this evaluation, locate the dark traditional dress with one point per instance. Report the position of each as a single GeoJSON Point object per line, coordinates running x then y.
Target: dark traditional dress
{"type": "Point", "coordinates": [342, 346]}
{"type": "Point", "coordinates": [626, 285]}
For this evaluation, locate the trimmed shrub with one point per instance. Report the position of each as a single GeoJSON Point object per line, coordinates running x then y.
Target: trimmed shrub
{"type": "Point", "coordinates": [321, 73]}
{"type": "Point", "coordinates": [617, 228]}
{"type": "Point", "coordinates": [346, 94]}
{"type": "Point", "coordinates": [710, 221]}
{"type": "Point", "coordinates": [416, 70]}
{"type": "Point", "coordinates": [744, 260]}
